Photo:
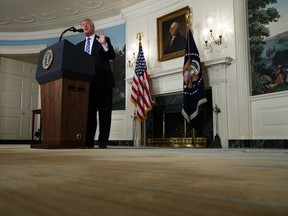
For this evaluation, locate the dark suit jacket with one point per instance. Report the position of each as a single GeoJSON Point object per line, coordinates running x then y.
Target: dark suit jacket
{"type": "Point", "coordinates": [103, 74]}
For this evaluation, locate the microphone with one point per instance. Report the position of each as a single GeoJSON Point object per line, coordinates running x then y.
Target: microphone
{"type": "Point", "coordinates": [70, 29]}
{"type": "Point", "coordinates": [78, 30]}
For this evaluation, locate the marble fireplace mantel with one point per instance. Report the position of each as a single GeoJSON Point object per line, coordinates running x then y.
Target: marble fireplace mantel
{"type": "Point", "coordinates": [214, 74]}
{"type": "Point", "coordinates": [217, 79]}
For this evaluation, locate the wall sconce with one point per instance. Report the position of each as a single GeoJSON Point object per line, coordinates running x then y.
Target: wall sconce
{"type": "Point", "coordinates": [132, 62]}
{"type": "Point", "coordinates": [211, 40]}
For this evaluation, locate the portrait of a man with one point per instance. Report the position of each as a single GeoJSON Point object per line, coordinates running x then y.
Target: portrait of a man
{"type": "Point", "coordinates": [176, 41]}
{"type": "Point", "coordinates": [172, 31]}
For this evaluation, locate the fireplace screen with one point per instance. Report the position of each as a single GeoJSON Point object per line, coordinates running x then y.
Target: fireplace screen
{"type": "Point", "coordinates": [166, 120]}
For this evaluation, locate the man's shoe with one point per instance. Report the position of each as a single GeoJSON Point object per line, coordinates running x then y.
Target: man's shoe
{"type": "Point", "coordinates": [90, 147]}
{"type": "Point", "coordinates": [102, 146]}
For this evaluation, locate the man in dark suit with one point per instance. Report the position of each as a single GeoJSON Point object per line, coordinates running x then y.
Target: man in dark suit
{"type": "Point", "coordinates": [100, 96]}
{"type": "Point", "coordinates": [177, 41]}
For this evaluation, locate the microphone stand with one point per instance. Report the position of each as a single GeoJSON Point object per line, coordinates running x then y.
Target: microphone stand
{"type": "Point", "coordinates": [70, 29]}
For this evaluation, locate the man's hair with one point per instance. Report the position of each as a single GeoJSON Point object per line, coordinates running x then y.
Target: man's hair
{"type": "Point", "coordinates": [176, 24]}
{"type": "Point", "coordinates": [87, 20]}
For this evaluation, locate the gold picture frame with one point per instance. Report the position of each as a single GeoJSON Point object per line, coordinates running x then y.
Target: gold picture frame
{"type": "Point", "coordinates": [163, 34]}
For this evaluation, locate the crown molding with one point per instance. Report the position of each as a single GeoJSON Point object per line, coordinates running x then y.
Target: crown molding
{"type": "Point", "coordinates": [148, 7]}
{"type": "Point", "coordinates": [54, 33]}
{"type": "Point", "coordinates": [33, 49]}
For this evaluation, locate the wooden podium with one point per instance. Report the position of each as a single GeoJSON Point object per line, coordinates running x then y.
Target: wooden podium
{"type": "Point", "coordinates": [64, 72]}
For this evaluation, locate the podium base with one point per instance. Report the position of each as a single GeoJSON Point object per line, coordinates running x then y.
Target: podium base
{"type": "Point", "coordinates": [64, 106]}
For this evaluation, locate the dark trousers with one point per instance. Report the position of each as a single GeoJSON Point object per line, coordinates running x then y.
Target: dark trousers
{"type": "Point", "coordinates": [100, 101]}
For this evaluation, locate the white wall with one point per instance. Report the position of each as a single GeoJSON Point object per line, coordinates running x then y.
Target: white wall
{"type": "Point", "coordinates": [270, 117]}
{"type": "Point", "coordinates": [243, 120]}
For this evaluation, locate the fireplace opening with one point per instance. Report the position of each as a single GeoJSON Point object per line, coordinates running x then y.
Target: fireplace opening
{"type": "Point", "coordinates": [166, 120]}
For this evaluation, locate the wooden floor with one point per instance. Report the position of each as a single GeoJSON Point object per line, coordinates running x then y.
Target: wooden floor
{"type": "Point", "coordinates": [142, 181]}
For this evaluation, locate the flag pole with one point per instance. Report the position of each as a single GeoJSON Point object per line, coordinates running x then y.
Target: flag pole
{"type": "Point", "coordinates": [193, 84]}
{"type": "Point", "coordinates": [188, 17]}
{"type": "Point", "coordinates": [139, 36]}
{"type": "Point", "coordinates": [140, 95]}
{"type": "Point", "coordinates": [134, 129]}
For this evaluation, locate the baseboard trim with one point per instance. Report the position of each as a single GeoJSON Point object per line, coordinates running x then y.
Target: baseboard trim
{"type": "Point", "coordinates": [270, 144]}
{"type": "Point", "coordinates": [261, 144]}
{"type": "Point", "coordinates": [111, 142]}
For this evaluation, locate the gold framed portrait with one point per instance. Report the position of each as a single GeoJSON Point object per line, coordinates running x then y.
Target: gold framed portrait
{"type": "Point", "coordinates": [171, 34]}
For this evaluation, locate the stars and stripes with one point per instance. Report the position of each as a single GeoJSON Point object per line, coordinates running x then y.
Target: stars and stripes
{"type": "Point", "coordinates": [140, 95]}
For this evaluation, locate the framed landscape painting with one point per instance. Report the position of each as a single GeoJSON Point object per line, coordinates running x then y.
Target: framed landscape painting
{"type": "Point", "coordinates": [268, 37]}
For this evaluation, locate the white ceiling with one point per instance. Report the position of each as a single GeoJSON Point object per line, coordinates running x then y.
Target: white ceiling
{"type": "Point", "coordinates": [40, 15]}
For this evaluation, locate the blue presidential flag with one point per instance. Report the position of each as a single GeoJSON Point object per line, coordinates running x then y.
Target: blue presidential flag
{"type": "Point", "coordinates": [193, 84]}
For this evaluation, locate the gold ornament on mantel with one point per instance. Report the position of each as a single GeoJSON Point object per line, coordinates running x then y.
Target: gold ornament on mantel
{"type": "Point", "coordinates": [188, 18]}
{"type": "Point", "coordinates": [132, 62]}
{"type": "Point", "coordinates": [139, 36]}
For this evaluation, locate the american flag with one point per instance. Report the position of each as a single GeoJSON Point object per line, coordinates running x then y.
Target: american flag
{"type": "Point", "coordinates": [140, 95]}
{"type": "Point", "coordinates": [193, 84]}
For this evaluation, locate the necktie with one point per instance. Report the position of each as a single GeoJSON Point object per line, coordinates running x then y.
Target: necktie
{"type": "Point", "coordinates": [87, 47]}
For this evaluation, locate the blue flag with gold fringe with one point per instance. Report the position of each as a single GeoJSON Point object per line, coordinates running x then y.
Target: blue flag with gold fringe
{"type": "Point", "coordinates": [193, 84]}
